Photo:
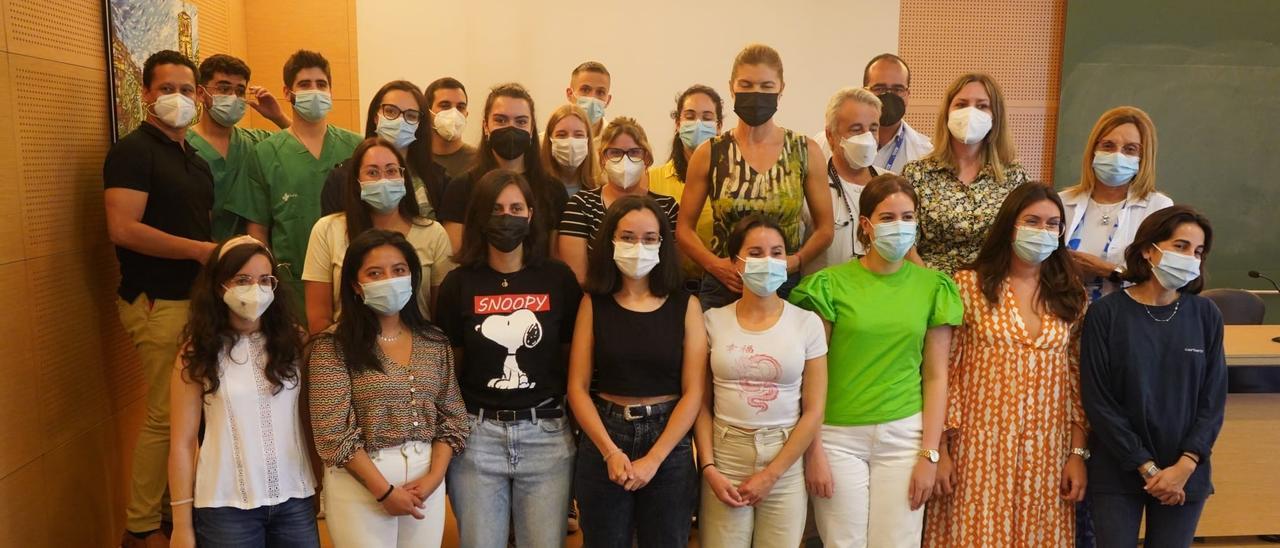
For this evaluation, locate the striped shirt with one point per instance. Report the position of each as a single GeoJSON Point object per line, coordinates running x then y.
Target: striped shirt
{"type": "Point", "coordinates": [371, 410]}
{"type": "Point", "coordinates": [584, 214]}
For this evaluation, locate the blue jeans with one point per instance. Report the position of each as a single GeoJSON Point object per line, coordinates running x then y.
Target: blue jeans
{"type": "Point", "coordinates": [513, 472]}
{"type": "Point", "coordinates": [290, 524]}
{"type": "Point", "coordinates": [1116, 519]}
{"type": "Point", "coordinates": [714, 294]}
{"type": "Point", "coordinates": [658, 514]}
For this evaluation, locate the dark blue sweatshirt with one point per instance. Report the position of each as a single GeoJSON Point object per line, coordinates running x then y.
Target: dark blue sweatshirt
{"type": "Point", "coordinates": [1151, 389]}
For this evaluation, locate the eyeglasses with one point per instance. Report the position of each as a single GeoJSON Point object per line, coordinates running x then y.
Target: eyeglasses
{"type": "Point", "coordinates": [615, 154]}
{"type": "Point", "coordinates": [373, 173]}
{"type": "Point", "coordinates": [881, 89]}
{"type": "Point", "coordinates": [225, 89]}
{"type": "Point", "coordinates": [391, 112]}
{"type": "Point", "coordinates": [243, 280]}
{"type": "Point", "coordinates": [1053, 226]}
{"type": "Point", "coordinates": [647, 239]}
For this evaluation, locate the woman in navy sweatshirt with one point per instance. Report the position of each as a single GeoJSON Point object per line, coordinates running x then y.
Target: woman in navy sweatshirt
{"type": "Point", "coordinates": [1154, 385]}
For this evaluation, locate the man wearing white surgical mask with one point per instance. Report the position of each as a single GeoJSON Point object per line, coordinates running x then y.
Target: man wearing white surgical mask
{"type": "Point", "coordinates": [853, 118]}
{"type": "Point", "coordinates": [888, 77]}
{"type": "Point", "coordinates": [589, 86]}
{"type": "Point", "coordinates": [447, 98]}
{"type": "Point", "coordinates": [624, 161]}
{"type": "Point", "coordinates": [158, 195]}
{"type": "Point", "coordinates": [219, 140]}
{"type": "Point", "coordinates": [280, 199]}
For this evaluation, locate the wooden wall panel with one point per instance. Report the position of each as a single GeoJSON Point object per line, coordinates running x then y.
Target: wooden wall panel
{"type": "Point", "coordinates": [1018, 42]}
{"type": "Point", "coordinates": [20, 426]}
{"type": "Point", "coordinates": [10, 190]}
{"type": "Point", "coordinates": [66, 31]}
{"type": "Point", "coordinates": [24, 516]}
{"type": "Point", "coordinates": [215, 27]}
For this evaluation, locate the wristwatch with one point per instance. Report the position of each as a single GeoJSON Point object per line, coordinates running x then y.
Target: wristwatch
{"type": "Point", "coordinates": [1151, 471]}
{"type": "Point", "coordinates": [1117, 275]}
{"type": "Point", "coordinates": [931, 454]}
{"type": "Point", "coordinates": [1084, 453]}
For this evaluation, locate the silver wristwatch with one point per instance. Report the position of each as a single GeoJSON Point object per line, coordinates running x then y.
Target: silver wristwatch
{"type": "Point", "coordinates": [1151, 471]}
{"type": "Point", "coordinates": [1084, 453]}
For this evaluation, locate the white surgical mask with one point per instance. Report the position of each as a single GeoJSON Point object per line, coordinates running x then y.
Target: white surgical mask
{"type": "Point", "coordinates": [569, 152]}
{"type": "Point", "coordinates": [860, 150]}
{"type": "Point", "coordinates": [636, 260]}
{"type": "Point", "coordinates": [894, 239]}
{"type": "Point", "coordinates": [388, 296]}
{"type": "Point", "coordinates": [175, 109]}
{"type": "Point", "coordinates": [248, 301]}
{"type": "Point", "coordinates": [1175, 269]}
{"type": "Point", "coordinates": [1034, 245]}
{"type": "Point", "coordinates": [383, 195]}
{"type": "Point", "coordinates": [1114, 168]}
{"type": "Point", "coordinates": [398, 131]}
{"type": "Point", "coordinates": [227, 110]}
{"type": "Point", "coordinates": [969, 124]}
{"type": "Point", "coordinates": [625, 172]}
{"type": "Point", "coordinates": [763, 275]}
{"type": "Point", "coordinates": [449, 124]}
{"type": "Point", "coordinates": [312, 104]}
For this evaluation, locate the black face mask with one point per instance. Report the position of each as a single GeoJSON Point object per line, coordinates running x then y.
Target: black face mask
{"type": "Point", "coordinates": [892, 108]}
{"type": "Point", "coordinates": [506, 232]}
{"type": "Point", "coordinates": [509, 142]}
{"type": "Point", "coordinates": [755, 108]}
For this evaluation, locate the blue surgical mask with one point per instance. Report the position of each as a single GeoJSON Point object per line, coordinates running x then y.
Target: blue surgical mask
{"type": "Point", "coordinates": [763, 275]}
{"type": "Point", "coordinates": [1114, 168]}
{"type": "Point", "coordinates": [894, 239]}
{"type": "Point", "coordinates": [387, 297]}
{"type": "Point", "coordinates": [1175, 269]}
{"type": "Point", "coordinates": [694, 132]}
{"type": "Point", "coordinates": [1034, 245]}
{"type": "Point", "coordinates": [384, 194]}
{"type": "Point", "coordinates": [593, 107]}
{"type": "Point", "coordinates": [227, 110]}
{"type": "Point", "coordinates": [312, 104]}
{"type": "Point", "coordinates": [398, 131]}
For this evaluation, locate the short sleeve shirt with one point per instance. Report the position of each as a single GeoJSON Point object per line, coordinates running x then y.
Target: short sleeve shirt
{"type": "Point", "coordinates": [179, 188]}
{"type": "Point", "coordinates": [226, 171]}
{"type": "Point", "coordinates": [584, 214]}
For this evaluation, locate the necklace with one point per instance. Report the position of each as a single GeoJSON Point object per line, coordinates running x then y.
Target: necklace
{"type": "Point", "coordinates": [1176, 304]}
{"type": "Point", "coordinates": [392, 338]}
{"type": "Point", "coordinates": [1107, 211]}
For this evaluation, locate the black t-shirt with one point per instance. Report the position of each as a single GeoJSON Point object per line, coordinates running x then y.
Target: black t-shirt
{"type": "Point", "coordinates": [638, 354]}
{"type": "Point", "coordinates": [1151, 388]}
{"type": "Point", "coordinates": [457, 194]}
{"type": "Point", "coordinates": [510, 336]}
{"type": "Point", "coordinates": [179, 187]}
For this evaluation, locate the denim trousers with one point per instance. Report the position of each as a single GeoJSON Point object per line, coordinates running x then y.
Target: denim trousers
{"type": "Point", "coordinates": [290, 524]}
{"type": "Point", "coordinates": [1116, 518]}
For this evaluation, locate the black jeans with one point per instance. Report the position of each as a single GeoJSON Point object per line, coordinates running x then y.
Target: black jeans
{"type": "Point", "coordinates": [658, 514]}
{"type": "Point", "coordinates": [1116, 519]}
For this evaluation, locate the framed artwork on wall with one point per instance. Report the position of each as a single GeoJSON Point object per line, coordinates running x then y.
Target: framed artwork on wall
{"type": "Point", "coordinates": [135, 29]}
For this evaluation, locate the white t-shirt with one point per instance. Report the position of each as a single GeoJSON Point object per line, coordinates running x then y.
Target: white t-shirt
{"type": "Point", "coordinates": [844, 242]}
{"type": "Point", "coordinates": [328, 245]}
{"type": "Point", "coordinates": [1093, 232]}
{"type": "Point", "coordinates": [254, 452]}
{"type": "Point", "coordinates": [914, 147]}
{"type": "Point", "coordinates": [756, 375]}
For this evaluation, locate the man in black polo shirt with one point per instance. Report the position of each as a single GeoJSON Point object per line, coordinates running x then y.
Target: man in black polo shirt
{"type": "Point", "coordinates": [158, 197]}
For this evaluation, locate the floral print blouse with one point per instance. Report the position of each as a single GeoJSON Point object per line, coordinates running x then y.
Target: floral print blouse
{"type": "Point", "coordinates": [954, 217]}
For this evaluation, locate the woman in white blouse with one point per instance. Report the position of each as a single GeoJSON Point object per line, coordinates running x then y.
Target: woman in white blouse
{"type": "Point", "coordinates": [250, 482]}
{"type": "Point", "coordinates": [1117, 190]}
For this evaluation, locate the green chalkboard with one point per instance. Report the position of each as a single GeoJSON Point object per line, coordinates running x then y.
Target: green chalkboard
{"type": "Point", "coordinates": [1208, 73]}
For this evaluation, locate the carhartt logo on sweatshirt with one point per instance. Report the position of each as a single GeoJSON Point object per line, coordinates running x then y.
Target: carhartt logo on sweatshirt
{"type": "Point", "coordinates": [1196, 350]}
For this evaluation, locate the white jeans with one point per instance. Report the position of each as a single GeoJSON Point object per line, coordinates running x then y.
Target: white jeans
{"type": "Point", "coordinates": [356, 519]}
{"type": "Point", "coordinates": [776, 521]}
{"type": "Point", "coordinates": [871, 472]}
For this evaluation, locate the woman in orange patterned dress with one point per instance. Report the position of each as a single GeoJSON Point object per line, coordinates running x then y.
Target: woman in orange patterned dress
{"type": "Point", "coordinates": [1012, 463]}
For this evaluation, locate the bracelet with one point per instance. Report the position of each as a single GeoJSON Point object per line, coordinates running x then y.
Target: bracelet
{"type": "Point", "coordinates": [181, 502]}
{"type": "Point", "coordinates": [1194, 458]}
{"type": "Point", "coordinates": [390, 487]}
{"type": "Point", "coordinates": [611, 454]}
{"type": "Point", "coordinates": [703, 468]}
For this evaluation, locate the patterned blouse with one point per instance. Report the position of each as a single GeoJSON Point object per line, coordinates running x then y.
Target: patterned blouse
{"type": "Point", "coordinates": [738, 190]}
{"type": "Point", "coordinates": [376, 409]}
{"type": "Point", "coordinates": [954, 217]}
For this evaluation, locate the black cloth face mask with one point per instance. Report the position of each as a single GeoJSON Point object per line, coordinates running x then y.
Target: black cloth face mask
{"type": "Point", "coordinates": [506, 232]}
{"type": "Point", "coordinates": [892, 108]}
{"type": "Point", "coordinates": [755, 108]}
{"type": "Point", "coordinates": [509, 142]}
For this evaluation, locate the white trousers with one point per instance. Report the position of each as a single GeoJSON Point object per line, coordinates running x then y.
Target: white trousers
{"type": "Point", "coordinates": [356, 519]}
{"type": "Point", "coordinates": [778, 520]}
{"type": "Point", "coordinates": [871, 472]}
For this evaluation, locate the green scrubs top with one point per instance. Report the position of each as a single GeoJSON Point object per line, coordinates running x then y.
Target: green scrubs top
{"type": "Point", "coordinates": [225, 173]}
{"type": "Point", "coordinates": [282, 192]}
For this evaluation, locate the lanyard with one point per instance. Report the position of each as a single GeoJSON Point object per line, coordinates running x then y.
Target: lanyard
{"type": "Point", "coordinates": [844, 199]}
{"type": "Point", "coordinates": [1095, 288]}
{"type": "Point", "coordinates": [897, 146]}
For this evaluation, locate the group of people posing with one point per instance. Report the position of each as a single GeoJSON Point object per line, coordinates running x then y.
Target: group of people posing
{"type": "Point", "coordinates": [901, 332]}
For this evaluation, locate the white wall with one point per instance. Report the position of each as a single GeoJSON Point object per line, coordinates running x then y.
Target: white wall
{"type": "Point", "coordinates": [653, 48]}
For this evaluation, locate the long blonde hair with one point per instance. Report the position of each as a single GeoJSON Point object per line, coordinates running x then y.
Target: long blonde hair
{"type": "Point", "coordinates": [1144, 183]}
{"type": "Point", "coordinates": [585, 174]}
{"type": "Point", "coordinates": [997, 147]}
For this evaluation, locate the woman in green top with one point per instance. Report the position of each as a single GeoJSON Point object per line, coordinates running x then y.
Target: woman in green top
{"type": "Point", "coordinates": [890, 322]}
{"type": "Point", "coordinates": [757, 167]}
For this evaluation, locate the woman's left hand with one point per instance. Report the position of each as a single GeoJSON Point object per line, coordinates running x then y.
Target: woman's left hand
{"type": "Point", "coordinates": [424, 486]}
{"type": "Point", "coordinates": [1091, 264]}
{"type": "Point", "coordinates": [642, 471]}
{"type": "Point", "coordinates": [1170, 481]}
{"type": "Point", "coordinates": [757, 487]}
{"type": "Point", "coordinates": [922, 478]}
{"type": "Point", "coordinates": [1074, 479]}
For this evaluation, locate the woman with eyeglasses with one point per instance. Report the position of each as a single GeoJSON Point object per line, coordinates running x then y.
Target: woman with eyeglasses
{"type": "Point", "coordinates": [249, 483]}
{"type": "Point", "coordinates": [636, 400]}
{"type": "Point", "coordinates": [1013, 452]}
{"type": "Point", "coordinates": [398, 113]}
{"type": "Point", "coordinates": [377, 194]}
{"type": "Point", "coordinates": [624, 158]}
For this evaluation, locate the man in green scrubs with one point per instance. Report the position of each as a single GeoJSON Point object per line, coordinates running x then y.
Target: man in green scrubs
{"type": "Point", "coordinates": [224, 146]}
{"type": "Point", "coordinates": [280, 198]}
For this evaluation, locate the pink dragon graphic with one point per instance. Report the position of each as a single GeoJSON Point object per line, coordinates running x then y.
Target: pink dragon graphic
{"type": "Point", "coordinates": [758, 377]}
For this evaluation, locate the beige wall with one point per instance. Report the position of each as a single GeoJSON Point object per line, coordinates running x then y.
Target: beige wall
{"type": "Point", "coordinates": [71, 397]}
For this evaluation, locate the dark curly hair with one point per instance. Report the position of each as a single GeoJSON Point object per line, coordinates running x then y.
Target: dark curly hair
{"type": "Point", "coordinates": [677, 145]}
{"type": "Point", "coordinates": [208, 332]}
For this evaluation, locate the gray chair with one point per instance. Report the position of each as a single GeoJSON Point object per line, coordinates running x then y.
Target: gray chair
{"type": "Point", "coordinates": [1238, 307]}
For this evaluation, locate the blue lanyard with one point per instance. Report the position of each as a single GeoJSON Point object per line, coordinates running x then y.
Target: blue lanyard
{"type": "Point", "coordinates": [897, 146]}
{"type": "Point", "coordinates": [1095, 288]}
